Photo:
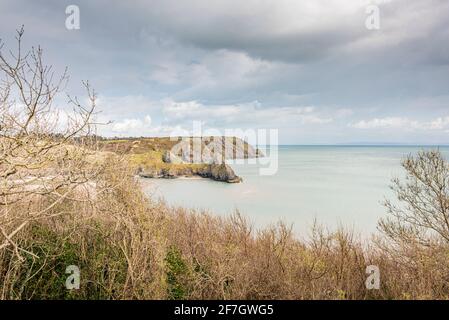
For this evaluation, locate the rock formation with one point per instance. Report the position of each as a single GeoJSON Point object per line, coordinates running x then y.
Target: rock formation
{"type": "Point", "coordinates": [183, 156]}
{"type": "Point", "coordinates": [220, 172]}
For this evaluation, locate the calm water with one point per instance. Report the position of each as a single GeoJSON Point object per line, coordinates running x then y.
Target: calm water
{"type": "Point", "coordinates": [337, 185]}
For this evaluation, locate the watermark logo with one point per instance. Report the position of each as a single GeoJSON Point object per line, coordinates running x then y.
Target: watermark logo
{"type": "Point", "coordinates": [231, 146]}
{"type": "Point", "coordinates": [373, 280]}
{"type": "Point", "coordinates": [72, 22]}
{"type": "Point", "coordinates": [372, 21]}
{"type": "Point", "coordinates": [73, 280]}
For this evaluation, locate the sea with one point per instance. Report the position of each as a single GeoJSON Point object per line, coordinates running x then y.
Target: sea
{"type": "Point", "coordinates": [334, 186]}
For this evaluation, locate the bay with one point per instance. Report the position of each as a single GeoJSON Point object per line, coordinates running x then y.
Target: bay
{"type": "Point", "coordinates": [336, 185]}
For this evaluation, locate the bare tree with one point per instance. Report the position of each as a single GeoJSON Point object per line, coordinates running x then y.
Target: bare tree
{"type": "Point", "coordinates": [41, 153]}
{"type": "Point", "coordinates": [421, 214]}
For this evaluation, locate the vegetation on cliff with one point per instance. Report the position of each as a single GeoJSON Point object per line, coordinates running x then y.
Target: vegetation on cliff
{"type": "Point", "coordinates": [164, 157]}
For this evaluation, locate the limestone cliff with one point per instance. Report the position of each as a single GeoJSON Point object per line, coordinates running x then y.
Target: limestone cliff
{"type": "Point", "coordinates": [184, 156]}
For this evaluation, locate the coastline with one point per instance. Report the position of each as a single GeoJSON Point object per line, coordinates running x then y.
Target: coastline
{"type": "Point", "coordinates": [328, 183]}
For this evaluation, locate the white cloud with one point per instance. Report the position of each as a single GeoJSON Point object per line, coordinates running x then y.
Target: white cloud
{"type": "Point", "coordinates": [390, 122]}
{"type": "Point", "coordinates": [248, 114]}
{"type": "Point", "coordinates": [344, 113]}
{"type": "Point", "coordinates": [120, 105]}
{"type": "Point", "coordinates": [402, 123]}
{"type": "Point", "coordinates": [132, 125]}
{"type": "Point", "coordinates": [440, 123]}
{"type": "Point", "coordinates": [195, 110]}
{"type": "Point", "coordinates": [169, 116]}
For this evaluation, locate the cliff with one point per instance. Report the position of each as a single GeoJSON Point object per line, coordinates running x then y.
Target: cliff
{"type": "Point", "coordinates": [170, 158]}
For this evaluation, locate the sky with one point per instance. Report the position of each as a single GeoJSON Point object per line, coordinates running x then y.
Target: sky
{"type": "Point", "coordinates": [310, 69]}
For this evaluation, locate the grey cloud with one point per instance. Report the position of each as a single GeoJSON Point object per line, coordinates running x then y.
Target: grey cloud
{"type": "Point", "coordinates": [280, 53]}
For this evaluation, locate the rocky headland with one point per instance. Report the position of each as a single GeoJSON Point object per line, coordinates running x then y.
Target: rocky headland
{"type": "Point", "coordinates": [170, 158]}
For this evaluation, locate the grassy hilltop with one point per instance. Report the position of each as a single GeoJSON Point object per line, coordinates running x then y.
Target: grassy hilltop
{"type": "Point", "coordinates": [155, 158]}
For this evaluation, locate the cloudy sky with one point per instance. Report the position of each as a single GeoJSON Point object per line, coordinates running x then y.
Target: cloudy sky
{"type": "Point", "coordinates": [309, 68]}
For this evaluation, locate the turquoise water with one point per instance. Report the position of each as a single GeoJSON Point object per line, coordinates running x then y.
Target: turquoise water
{"type": "Point", "coordinates": [336, 185]}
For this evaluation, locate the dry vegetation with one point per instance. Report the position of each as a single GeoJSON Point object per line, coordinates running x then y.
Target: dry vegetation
{"type": "Point", "coordinates": [57, 209]}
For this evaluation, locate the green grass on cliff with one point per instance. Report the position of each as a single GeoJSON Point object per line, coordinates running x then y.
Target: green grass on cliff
{"type": "Point", "coordinates": [146, 153]}
{"type": "Point", "coordinates": [153, 160]}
